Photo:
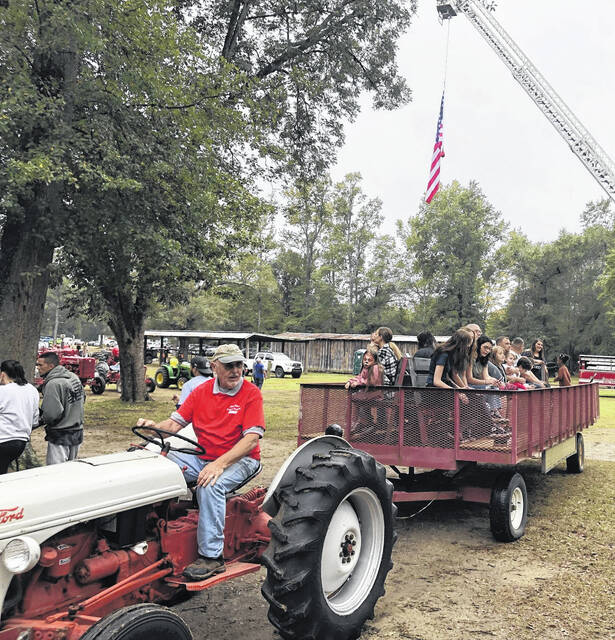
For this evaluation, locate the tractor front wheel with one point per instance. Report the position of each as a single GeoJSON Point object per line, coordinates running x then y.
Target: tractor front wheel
{"type": "Point", "coordinates": [162, 378]}
{"type": "Point", "coordinates": [139, 622]}
{"type": "Point", "coordinates": [181, 381]}
{"type": "Point", "coordinates": [330, 548]}
{"type": "Point", "coordinates": [98, 386]}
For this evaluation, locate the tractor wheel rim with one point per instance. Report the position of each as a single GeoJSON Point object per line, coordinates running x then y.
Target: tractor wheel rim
{"type": "Point", "coordinates": [159, 378]}
{"type": "Point", "coordinates": [352, 551]}
{"type": "Point", "coordinates": [516, 507]}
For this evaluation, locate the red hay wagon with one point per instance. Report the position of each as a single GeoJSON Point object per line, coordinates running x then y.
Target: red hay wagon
{"type": "Point", "coordinates": [442, 436]}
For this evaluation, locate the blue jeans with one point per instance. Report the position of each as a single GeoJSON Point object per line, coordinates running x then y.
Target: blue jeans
{"type": "Point", "coordinates": [212, 499]}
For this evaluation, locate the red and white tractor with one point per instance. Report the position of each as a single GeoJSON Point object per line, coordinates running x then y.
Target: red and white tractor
{"type": "Point", "coordinates": [91, 548]}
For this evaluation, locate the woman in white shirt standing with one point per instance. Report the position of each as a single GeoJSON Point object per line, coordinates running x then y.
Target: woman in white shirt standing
{"type": "Point", "coordinates": [18, 412]}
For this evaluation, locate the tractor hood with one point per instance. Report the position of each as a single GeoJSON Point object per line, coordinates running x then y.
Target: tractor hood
{"type": "Point", "coordinates": [42, 501]}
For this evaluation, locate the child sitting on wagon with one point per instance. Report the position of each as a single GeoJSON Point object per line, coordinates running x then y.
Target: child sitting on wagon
{"type": "Point", "coordinates": [525, 371]}
{"type": "Point", "coordinates": [371, 375]}
{"type": "Point", "coordinates": [563, 375]}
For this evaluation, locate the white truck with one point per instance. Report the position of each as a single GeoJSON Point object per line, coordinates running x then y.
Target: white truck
{"type": "Point", "coordinates": [277, 363]}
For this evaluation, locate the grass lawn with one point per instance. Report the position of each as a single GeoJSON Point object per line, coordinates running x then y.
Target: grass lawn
{"type": "Point", "coordinates": [281, 399]}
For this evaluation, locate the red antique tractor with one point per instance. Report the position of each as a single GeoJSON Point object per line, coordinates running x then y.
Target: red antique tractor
{"type": "Point", "coordinates": [83, 367]}
{"type": "Point", "coordinates": [89, 546]}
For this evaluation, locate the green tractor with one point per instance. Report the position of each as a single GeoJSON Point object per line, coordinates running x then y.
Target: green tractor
{"type": "Point", "coordinates": [173, 372]}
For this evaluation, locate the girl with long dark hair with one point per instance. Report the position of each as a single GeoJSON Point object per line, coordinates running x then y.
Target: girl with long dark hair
{"type": "Point", "coordinates": [18, 412]}
{"type": "Point", "coordinates": [450, 361]}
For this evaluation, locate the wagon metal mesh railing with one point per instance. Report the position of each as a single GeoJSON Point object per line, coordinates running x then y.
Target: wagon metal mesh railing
{"type": "Point", "coordinates": [428, 427]}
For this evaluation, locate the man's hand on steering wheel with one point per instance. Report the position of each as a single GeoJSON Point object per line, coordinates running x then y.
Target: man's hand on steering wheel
{"type": "Point", "coordinates": [149, 425]}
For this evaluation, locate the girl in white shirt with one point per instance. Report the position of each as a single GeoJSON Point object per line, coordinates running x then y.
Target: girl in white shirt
{"type": "Point", "coordinates": [18, 412]}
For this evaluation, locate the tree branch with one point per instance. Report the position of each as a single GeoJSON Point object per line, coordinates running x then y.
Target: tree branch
{"type": "Point", "coordinates": [318, 33]}
{"type": "Point", "coordinates": [235, 25]}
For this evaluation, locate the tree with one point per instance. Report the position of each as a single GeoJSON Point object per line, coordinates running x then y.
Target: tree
{"type": "Point", "coordinates": [93, 92]}
{"type": "Point", "coordinates": [556, 294]}
{"type": "Point", "coordinates": [451, 244]}
{"type": "Point", "coordinates": [307, 212]}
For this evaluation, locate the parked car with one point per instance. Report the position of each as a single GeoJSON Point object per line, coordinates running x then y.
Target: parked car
{"type": "Point", "coordinates": [281, 364]}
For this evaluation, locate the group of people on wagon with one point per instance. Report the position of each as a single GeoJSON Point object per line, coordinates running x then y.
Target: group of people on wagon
{"type": "Point", "coordinates": [468, 359]}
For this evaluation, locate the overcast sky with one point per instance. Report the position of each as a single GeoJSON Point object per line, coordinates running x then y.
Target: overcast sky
{"type": "Point", "coordinates": [493, 131]}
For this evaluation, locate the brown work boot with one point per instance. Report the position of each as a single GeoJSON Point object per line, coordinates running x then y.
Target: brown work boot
{"type": "Point", "coordinates": [203, 568]}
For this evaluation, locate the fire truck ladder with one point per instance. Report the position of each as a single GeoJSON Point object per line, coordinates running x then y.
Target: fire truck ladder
{"type": "Point", "coordinates": [580, 141]}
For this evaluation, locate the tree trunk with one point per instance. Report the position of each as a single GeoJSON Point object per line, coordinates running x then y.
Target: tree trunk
{"type": "Point", "coordinates": [129, 333]}
{"type": "Point", "coordinates": [24, 277]}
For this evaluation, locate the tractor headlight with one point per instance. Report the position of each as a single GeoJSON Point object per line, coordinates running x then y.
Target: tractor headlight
{"type": "Point", "coordinates": [21, 554]}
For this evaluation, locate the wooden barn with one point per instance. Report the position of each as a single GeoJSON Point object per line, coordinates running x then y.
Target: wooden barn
{"type": "Point", "coordinates": [333, 352]}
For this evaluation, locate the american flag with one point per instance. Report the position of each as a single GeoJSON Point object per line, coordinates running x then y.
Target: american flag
{"type": "Point", "coordinates": [438, 152]}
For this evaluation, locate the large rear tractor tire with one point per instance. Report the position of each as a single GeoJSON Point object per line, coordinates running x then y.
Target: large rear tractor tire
{"type": "Point", "coordinates": [576, 462]}
{"type": "Point", "coordinates": [139, 622]}
{"type": "Point", "coordinates": [162, 378]}
{"type": "Point", "coordinates": [330, 549]}
{"type": "Point", "coordinates": [148, 358]}
{"type": "Point", "coordinates": [508, 508]}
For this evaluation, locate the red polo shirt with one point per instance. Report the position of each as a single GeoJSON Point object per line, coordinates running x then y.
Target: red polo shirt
{"type": "Point", "coordinates": [220, 420]}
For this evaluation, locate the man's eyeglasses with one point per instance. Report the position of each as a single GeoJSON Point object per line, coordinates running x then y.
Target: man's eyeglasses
{"type": "Point", "coordinates": [229, 366]}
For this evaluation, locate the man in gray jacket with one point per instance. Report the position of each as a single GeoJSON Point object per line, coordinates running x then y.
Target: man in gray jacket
{"type": "Point", "coordinates": [61, 409]}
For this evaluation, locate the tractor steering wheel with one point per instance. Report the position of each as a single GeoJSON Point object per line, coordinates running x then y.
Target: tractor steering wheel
{"type": "Point", "coordinates": [200, 450]}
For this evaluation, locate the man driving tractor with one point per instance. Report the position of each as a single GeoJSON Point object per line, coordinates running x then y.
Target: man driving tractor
{"type": "Point", "coordinates": [228, 420]}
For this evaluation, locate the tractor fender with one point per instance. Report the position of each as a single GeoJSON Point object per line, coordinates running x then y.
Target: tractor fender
{"type": "Point", "coordinates": [300, 457]}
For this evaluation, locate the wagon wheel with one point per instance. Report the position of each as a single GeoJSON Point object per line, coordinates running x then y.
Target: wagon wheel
{"type": "Point", "coordinates": [330, 548]}
{"type": "Point", "coordinates": [508, 507]}
{"type": "Point", "coordinates": [576, 462]}
{"type": "Point", "coordinates": [139, 622]}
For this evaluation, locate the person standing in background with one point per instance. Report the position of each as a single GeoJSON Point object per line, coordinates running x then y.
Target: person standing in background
{"type": "Point", "coordinates": [61, 409]}
{"type": "Point", "coordinates": [258, 373]}
{"type": "Point", "coordinates": [18, 412]}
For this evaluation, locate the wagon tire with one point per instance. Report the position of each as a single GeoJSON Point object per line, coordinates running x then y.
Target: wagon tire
{"type": "Point", "coordinates": [150, 385]}
{"type": "Point", "coordinates": [139, 622]}
{"type": "Point", "coordinates": [330, 549]}
{"type": "Point", "coordinates": [279, 372]}
{"type": "Point", "coordinates": [576, 462]}
{"type": "Point", "coordinates": [98, 386]}
{"type": "Point", "coordinates": [162, 378]}
{"type": "Point", "coordinates": [508, 507]}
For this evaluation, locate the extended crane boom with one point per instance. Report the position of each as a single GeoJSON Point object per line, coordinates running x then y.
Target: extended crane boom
{"type": "Point", "coordinates": [580, 141]}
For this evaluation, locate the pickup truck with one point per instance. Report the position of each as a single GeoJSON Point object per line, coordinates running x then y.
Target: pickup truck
{"type": "Point", "coordinates": [281, 364]}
